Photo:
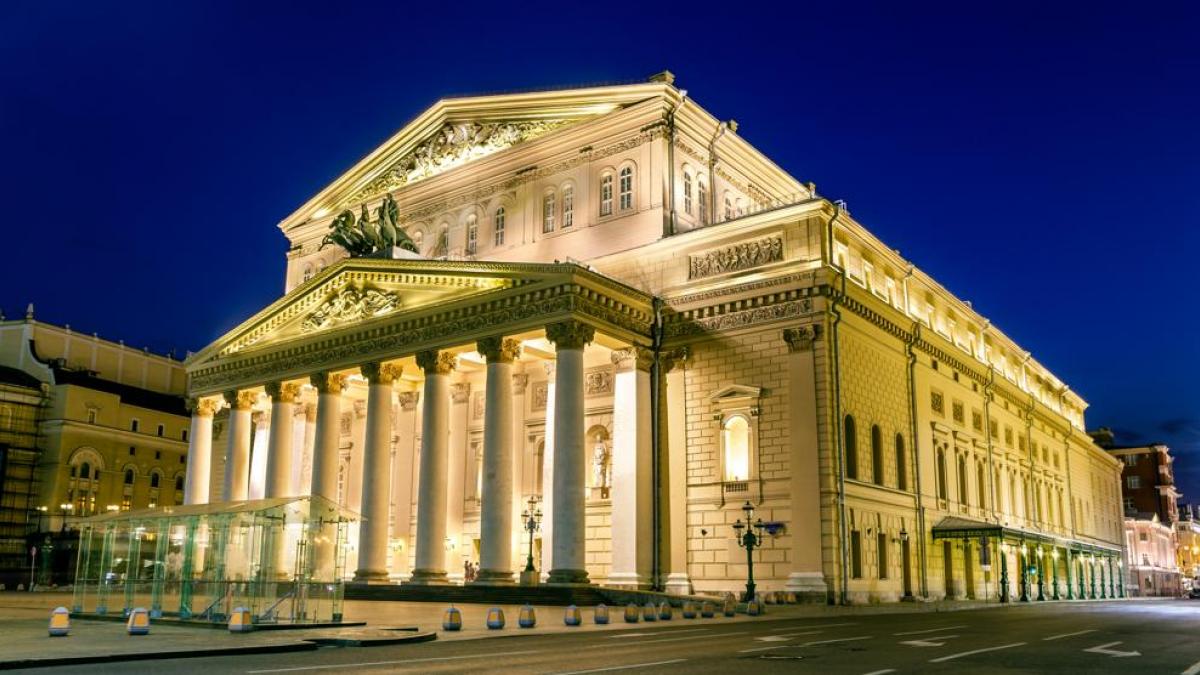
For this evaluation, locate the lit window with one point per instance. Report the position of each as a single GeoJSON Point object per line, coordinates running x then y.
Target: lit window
{"type": "Point", "coordinates": [626, 188]}
{"type": "Point", "coordinates": [568, 206]}
{"type": "Point", "coordinates": [687, 193]}
{"type": "Point", "coordinates": [498, 226]}
{"type": "Point", "coordinates": [548, 212]}
{"type": "Point", "coordinates": [702, 197]}
{"type": "Point", "coordinates": [472, 234]}
{"type": "Point", "coordinates": [606, 195]}
{"type": "Point", "coordinates": [851, 443]}
{"type": "Point", "coordinates": [737, 448]}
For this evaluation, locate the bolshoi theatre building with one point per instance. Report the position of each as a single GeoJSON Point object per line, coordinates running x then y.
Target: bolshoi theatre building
{"type": "Point", "coordinates": [604, 306]}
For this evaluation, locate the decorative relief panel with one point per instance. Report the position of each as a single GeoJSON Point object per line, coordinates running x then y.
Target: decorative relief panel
{"type": "Point", "coordinates": [477, 405]}
{"type": "Point", "coordinates": [739, 256]}
{"type": "Point", "coordinates": [598, 381]}
{"type": "Point", "coordinates": [350, 304]}
{"type": "Point", "coordinates": [732, 320]}
{"type": "Point", "coordinates": [541, 393]}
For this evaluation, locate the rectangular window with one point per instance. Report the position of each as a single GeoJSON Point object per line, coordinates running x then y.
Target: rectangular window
{"type": "Point", "coordinates": [161, 429]}
{"type": "Point", "coordinates": [977, 421]}
{"type": "Point", "coordinates": [548, 213]}
{"type": "Point", "coordinates": [959, 415]}
{"type": "Point", "coordinates": [133, 425]}
{"type": "Point", "coordinates": [606, 195]}
{"type": "Point", "coordinates": [91, 417]}
{"type": "Point", "coordinates": [1008, 436]}
{"type": "Point", "coordinates": [1128, 501]}
{"type": "Point", "coordinates": [937, 402]}
{"type": "Point", "coordinates": [132, 451]}
{"type": "Point", "coordinates": [1133, 482]}
{"type": "Point", "coordinates": [626, 189]}
{"type": "Point", "coordinates": [856, 554]}
{"type": "Point", "coordinates": [881, 545]}
{"type": "Point", "coordinates": [183, 435]}
{"type": "Point", "coordinates": [568, 206]}
{"type": "Point", "coordinates": [1130, 460]}
{"type": "Point", "coordinates": [687, 193]}
{"type": "Point", "coordinates": [993, 428]}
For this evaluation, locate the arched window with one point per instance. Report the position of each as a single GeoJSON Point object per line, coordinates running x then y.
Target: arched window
{"type": "Point", "coordinates": [737, 448]}
{"type": "Point", "coordinates": [728, 207]}
{"type": "Point", "coordinates": [941, 474]}
{"type": "Point", "coordinates": [851, 443]}
{"type": "Point", "coordinates": [154, 480]}
{"type": "Point", "coordinates": [963, 495]}
{"type": "Point", "coordinates": [472, 234]}
{"type": "Point", "coordinates": [981, 485]}
{"type": "Point", "coordinates": [548, 212]}
{"type": "Point", "coordinates": [901, 464]}
{"type": "Point", "coordinates": [702, 198]}
{"type": "Point", "coordinates": [129, 476]}
{"type": "Point", "coordinates": [606, 195]}
{"type": "Point", "coordinates": [85, 470]}
{"type": "Point", "coordinates": [876, 454]}
{"type": "Point", "coordinates": [179, 483]}
{"type": "Point", "coordinates": [498, 226]}
{"type": "Point", "coordinates": [626, 188]}
{"type": "Point", "coordinates": [687, 192]}
{"type": "Point", "coordinates": [568, 205]}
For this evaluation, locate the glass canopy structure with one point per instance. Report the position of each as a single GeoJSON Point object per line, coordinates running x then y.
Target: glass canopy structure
{"type": "Point", "coordinates": [281, 558]}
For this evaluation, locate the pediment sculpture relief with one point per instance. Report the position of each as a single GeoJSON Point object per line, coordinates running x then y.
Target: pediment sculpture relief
{"type": "Point", "coordinates": [349, 305]}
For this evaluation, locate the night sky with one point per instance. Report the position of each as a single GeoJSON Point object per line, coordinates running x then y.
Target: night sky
{"type": "Point", "coordinates": [1042, 163]}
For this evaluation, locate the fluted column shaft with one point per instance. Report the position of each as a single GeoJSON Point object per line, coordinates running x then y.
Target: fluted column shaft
{"type": "Point", "coordinates": [279, 443]}
{"type": "Point", "coordinates": [376, 477]}
{"type": "Point", "coordinates": [237, 451]}
{"type": "Point", "coordinates": [495, 529]}
{"type": "Point", "coordinates": [199, 457]}
{"type": "Point", "coordinates": [325, 443]}
{"type": "Point", "coordinates": [570, 465]}
{"type": "Point", "coordinates": [431, 499]}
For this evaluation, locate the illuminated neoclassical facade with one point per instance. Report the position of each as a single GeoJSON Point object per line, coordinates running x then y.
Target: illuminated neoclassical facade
{"type": "Point", "coordinates": [621, 310]}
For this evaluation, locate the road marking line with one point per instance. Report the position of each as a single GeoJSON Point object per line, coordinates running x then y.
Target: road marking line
{"type": "Point", "coordinates": [929, 641]}
{"type": "Point", "coordinates": [1193, 669]}
{"type": "Point", "coordinates": [976, 651]}
{"type": "Point", "coordinates": [1104, 649]}
{"type": "Point", "coordinates": [821, 625]}
{"type": "Point", "coordinates": [806, 644]}
{"type": "Point", "coordinates": [1067, 635]}
{"type": "Point", "coordinates": [341, 666]}
{"type": "Point", "coordinates": [625, 635]}
{"type": "Point", "coordinates": [882, 672]}
{"type": "Point", "coordinates": [762, 649]}
{"type": "Point", "coordinates": [931, 630]}
{"type": "Point", "coordinates": [612, 668]}
{"type": "Point", "coordinates": [650, 642]}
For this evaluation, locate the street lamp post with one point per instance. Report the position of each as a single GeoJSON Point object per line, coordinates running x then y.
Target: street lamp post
{"type": "Point", "coordinates": [1041, 572]}
{"type": "Point", "coordinates": [1054, 571]}
{"type": "Point", "coordinates": [749, 537]}
{"type": "Point", "coordinates": [1004, 572]}
{"type": "Point", "coordinates": [532, 517]}
{"type": "Point", "coordinates": [904, 552]}
{"type": "Point", "coordinates": [1023, 561]}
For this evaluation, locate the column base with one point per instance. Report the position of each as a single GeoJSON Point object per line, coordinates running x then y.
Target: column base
{"type": "Point", "coordinates": [806, 582]}
{"type": "Point", "coordinates": [678, 583]}
{"type": "Point", "coordinates": [568, 576]}
{"type": "Point", "coordinates": [427, 578]}
{"type": "Point", "coordinates": [493, 578]}
{"type": "Point", "coordinates": [371, 577]}
{"type": "Point", "coordinates": [628, 581]}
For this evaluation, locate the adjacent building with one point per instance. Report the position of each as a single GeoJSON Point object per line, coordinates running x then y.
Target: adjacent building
{"type": "Point", "coordinates": [622, 315]}
{"type": "Point", "coordinates": [1150, 502]}
{"type": "Point", "coordinates": [87, 425]}
{"type": "Point", "coordinates": [1187, 546]}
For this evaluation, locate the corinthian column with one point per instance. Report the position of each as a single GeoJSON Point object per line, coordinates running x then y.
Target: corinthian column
{"type": "Point", "coordinates": [199, 457]}
{"type": "Point", "coordinates": [376, 477]}
{"type": "Point", "coordinates": [495, 527]}
{"type": "Point", "coordinates": [632, 469]}
{"type": "Point", "coordinates": [673, 474]}
{"type": "Point", "coordinates": [325, 444]}
{"type": "Point", "coordinates": [237, 452]}
{"type": "Point", "coordinates": [570, 467]}
{"type": "Point", "coordinates": [431, 498]}
{"type": "Point", "coordinates": [806, 575]}
{"type": "Point", "coordinates": [279, 443]}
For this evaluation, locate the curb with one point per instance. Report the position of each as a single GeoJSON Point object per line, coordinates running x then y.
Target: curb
{"type": "Point", "coordinates": [372, 641]}
{"type": "Point", "coordinates": [147, 656]}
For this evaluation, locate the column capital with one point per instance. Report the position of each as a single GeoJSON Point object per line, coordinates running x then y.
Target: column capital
{"type": "Point", "coordinates": [408, 399]}
{"type": "Point", "coordinates": [283, 392]}
{"type": "Point", "coordinates": [435, 362]}
{"type": "Point", "coordinates": [801, 338]}
{"type": "Point", "coordinates": [671, 359]}
{"type": "Point", "coordinates": [240, 400]}
{"type": "Point", "coordinates": [460, 392]}
{"type": "Point", "coordinates": [328, 383]}
{"type": "Point", "coordinates": [632, 358]}
{"type": "Point", "coordinates": [570, 334]}
{"type": "Point", "coordinates": [498, 349]}
{"type": "Point", "coordinates": [203, 407]}
{"type": "Point", "coordinates": [519, 382]}
{"type": "Point", "coordinates": [382, 373]}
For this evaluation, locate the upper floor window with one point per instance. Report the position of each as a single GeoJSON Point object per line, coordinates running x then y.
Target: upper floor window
{"type": "Point", "coordinates": [155, 479]}
{"type": "Point", "coordinates": [687, 192]}
{"type": "Point", "coordinates": [91, 416]}
{"type": "Point", "coordinates": [626, 188]}
{"type": "Point", "coordinates": [941, 474]}
{"type": "Point", "coordinates": [548, 212]}
{"type": "Point", "coordinates": [851, 443]}
{"type": "Point", "coordinates": [702, 198]}
{"type": "Point", "coordinates": [876, 454]}
{"type": "Point", "coordinates": [737, 448]}
{"type": "Point", "coordinates": [162, 429]}
{"type": "Point", "coordinates": [606, 195]}
{"type": "Point", "coordinates": [498, 226]}
{"type": "Point", "coordinates": [129, 476]}
{"type": "Point", "coordinates": [472, 234]}
{"type": "Point", "coordinates": [1133, 482]}
{"type": "Point", "coordinates": [901, 464]}
{"type": "Point", "coordinates": [568, 206]}
{"type": "Point", "coordinates": [184, 435]}
{"type": "Point", "coordinates": [133, 425]}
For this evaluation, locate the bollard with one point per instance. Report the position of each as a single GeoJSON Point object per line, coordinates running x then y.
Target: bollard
{"type": "Point", "coordinates": [631, 613]}
{"type": "Point", "coordinates": [452, 619]}
{"type": "Point", "coordinates": [755, 607]}
{"type": "Point", "coordinates": [790, 598]}
{"type": "Point", "coordinates": [495, 618]}
{"type": "Point", "coordinates": [649, 612]}
{"type": "Point", "coordinates": [60, 622]}
{"type": "Point", "coordinates": [664, 611]}
{"type": "Point", "coordinates": [707, 610]}
{"type": "Point", "coordinates": [689, 609]}
{"type": "Point", "coordinates": [730, 607]}
{"type": "Point", "coordinates": [601, 614]}
{"type": "Point", "coordinates": [768, 598]}
{"type": "Point", "coordinates": [528, 617]}
{"type": "Point", "coordinates": [240, 621]}
{"type": "Point", "coordinates": [139, 622]}
{"type": "Point", "coordinates": [572, 617]}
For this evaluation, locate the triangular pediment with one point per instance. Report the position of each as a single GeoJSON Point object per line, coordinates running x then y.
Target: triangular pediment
{"type": "Point", "coordinates": [735, 392]}
{"type": "Point", "coordinates": [457, 131]}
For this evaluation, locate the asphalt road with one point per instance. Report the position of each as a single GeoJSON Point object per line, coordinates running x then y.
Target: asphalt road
{"type": "Point", "coordinates": [1143, 636]}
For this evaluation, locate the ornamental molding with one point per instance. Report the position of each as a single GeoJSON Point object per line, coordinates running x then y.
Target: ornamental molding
{"type": "Point", "coordinates": [736, 257]}
{"type": "Point", "coordinates": [349, 305]}
{"type": "Point", "coordinates": [740, 289]}
{"type": "Point", "coordinates": [801, 338]}
{"type": "Point", "coordinates": [740, 319]}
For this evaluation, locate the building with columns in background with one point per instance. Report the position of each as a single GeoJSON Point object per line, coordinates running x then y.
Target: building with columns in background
{"type": "Point", "coordinates": [622, 313]}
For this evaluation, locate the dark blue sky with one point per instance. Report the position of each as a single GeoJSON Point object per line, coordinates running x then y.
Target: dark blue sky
{"type": "Point", "coordinates": [1042, 163]}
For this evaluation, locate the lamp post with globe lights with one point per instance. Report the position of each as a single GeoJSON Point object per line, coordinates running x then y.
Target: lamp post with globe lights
{"type": "Point", "coordinates": [749, 537]}
{"type": "Point", "coordinates": [532, 517]}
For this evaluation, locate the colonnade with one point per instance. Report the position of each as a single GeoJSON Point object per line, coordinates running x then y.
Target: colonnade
{"type": "Point", "coordinates": [1085, 576]}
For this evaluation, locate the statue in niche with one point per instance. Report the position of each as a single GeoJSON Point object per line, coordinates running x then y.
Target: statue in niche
{"type": "Point", "coordinates": [601, 466]}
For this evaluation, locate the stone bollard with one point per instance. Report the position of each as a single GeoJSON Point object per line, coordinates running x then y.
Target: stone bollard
{"type": "Point", "coordinates": [601, 614]}
{"type": "Point", "coordinates": [240, 621]}
{"type": "Point", "coordinates": [689, 609]}
{"type": "Point", "coordinates": [528, 617]}
{"type": "Point", "coordinates": [572, 617]}
{"type": "Point", "coordinates": [665, 612]}
{"type": "Point", "coordinates": [768, 598]}
{"type": "Point", "coordinates": [649, 612]}
{"type": "Point", "coordinates": [139, 622]}
{"type": "Point", "coordinates": [707, 610]}
{"type": "Point", "coordinates": [495, 618]}
{"type": "Point", "coordinates": [452, 619]}
{"type": "Point", "coordinates": [631, 613]}
{"type": "Point", "coordinates": [790, 598]}
{"type": "Point", "coordinates": [755, 608]}
{"type": "Point", "coordinates": [729, 608]}
{"type": "Point", "coordinates": [60, 622]}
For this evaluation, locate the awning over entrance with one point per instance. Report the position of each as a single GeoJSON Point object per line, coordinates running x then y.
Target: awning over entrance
{"type": "Point", "coordinates": [955, 527]}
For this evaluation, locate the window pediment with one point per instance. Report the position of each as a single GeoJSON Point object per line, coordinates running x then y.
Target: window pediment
{"type": "Point", "coordinates": [735, 395]}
